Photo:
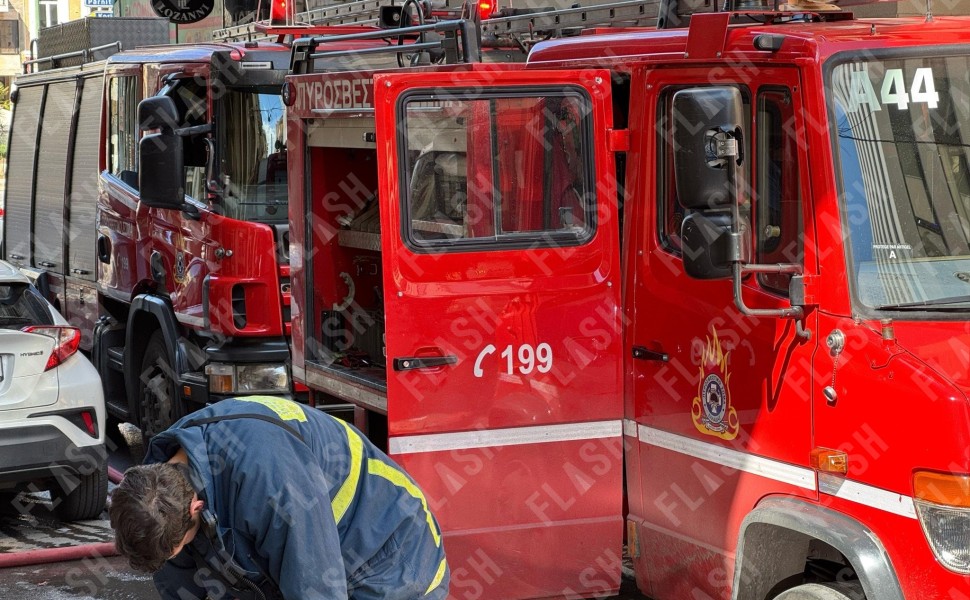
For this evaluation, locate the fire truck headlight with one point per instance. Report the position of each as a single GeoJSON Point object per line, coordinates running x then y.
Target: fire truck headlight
{"type": "Point", "coordinates": [222, 378]}
{"type": "Point", "coordinates": [943, 506]}
{"type": "Point", "coordinates": [247, 379]}
{"type": "Point", "coordinates": [948, 531]}
{"type": "Point", "coordinates": [262, 378]}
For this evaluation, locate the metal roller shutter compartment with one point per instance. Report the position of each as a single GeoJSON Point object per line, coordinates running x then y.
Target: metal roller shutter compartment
{"type": "Point", "coordinates": [84, 182]}
{"type": "Point", "coordinates": [20, 175]}
{"type": "Point", "coordinates": [49, 200]}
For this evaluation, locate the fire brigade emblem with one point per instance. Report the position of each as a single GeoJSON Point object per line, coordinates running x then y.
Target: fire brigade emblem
{"type": "Point", "coordinates": [180, 267]}
{"type": "Point", "coordinates": [711, 410]}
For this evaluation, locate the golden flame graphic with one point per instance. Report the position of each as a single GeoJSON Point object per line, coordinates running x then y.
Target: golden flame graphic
{"type": "Point", "coordinates": [713, 356]}
{"type": "Point", "coordinates": [711, 409]}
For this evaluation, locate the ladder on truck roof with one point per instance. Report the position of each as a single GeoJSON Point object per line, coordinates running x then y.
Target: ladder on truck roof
{"type": "Point", "coordinates": [522, 27]}
{"type": "Point", "coordinates": [455, 41]}
{"type": "Point", "coordinates": [627, 13]}
{"type": "Point", "coordinates": [358, 12]}
{"type": "Point", "coordinates": [663, 14]}
{"type": "Point", "coordinates": [546, 21]}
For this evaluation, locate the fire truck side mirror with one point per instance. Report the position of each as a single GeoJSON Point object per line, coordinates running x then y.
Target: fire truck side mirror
{"type": "Point", "coordinates": [158, 112]}
{"type": "Point", "coordinates": [707, 145]}
{"type": "Point", "coordinates": [161, 173]}
{"type": "Point", "coordinates": [706, 244]}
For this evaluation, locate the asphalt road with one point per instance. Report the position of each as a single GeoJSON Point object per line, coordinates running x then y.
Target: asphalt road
{"type": "Point", "coordinates": [103, 578]}
{"type": "Point", "coordinates": [29, 525]}
{"type": "Point", "coordinates": [109, 579]}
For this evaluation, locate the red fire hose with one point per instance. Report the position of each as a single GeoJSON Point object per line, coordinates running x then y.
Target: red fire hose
{"type": "Point", "coordinates": [114, 475]}
{"type": "Point", "coordinates": [69, 553]}
{"type": "Point", "coordinates": [54, 555]}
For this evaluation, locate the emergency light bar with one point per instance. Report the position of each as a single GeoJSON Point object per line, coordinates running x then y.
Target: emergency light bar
{"type": "Point", "coordinates": [281, 13]}
{"type": "Point", "coordinates": [486, 8]}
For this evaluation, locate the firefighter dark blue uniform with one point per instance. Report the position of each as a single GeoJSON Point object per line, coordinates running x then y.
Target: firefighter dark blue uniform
{"type": "Point", "coordinates": [298, 505]}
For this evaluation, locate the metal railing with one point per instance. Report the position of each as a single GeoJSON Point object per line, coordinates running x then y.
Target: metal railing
{"type": "Point", "coordinates": [87, 55]}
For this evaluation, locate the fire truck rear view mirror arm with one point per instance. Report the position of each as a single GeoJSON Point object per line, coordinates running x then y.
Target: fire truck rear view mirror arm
{"type": "Point", "coordinates": [160, 154]}
{"type": "Point", "coordinates": [715, 241]}
{"type": "Point", "coordinates": [194, 130]}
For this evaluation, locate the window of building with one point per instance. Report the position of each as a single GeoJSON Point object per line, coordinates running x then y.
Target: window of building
{"type": "Point", "coordinates": [48, 13]}
{"type": "Point", "coordinates": [9, 37]}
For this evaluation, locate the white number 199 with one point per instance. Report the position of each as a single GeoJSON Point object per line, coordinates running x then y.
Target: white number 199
{"type": "Point", "coordinates": [525, 359]}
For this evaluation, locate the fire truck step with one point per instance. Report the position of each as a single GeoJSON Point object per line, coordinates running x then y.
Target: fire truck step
{"type": "Point", "coordinates": [116, 358]}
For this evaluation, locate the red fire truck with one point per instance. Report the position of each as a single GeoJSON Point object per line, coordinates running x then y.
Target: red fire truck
{"type": "Point", "coordinates": [179, 304]}
{"type": "Point", "coordinates": [702, 290]}
{"type": "Point", "coordinates": [178, 279]}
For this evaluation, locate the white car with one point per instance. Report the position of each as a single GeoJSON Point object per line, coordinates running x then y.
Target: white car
{"type": "Point", "coordinates": [52, 413]}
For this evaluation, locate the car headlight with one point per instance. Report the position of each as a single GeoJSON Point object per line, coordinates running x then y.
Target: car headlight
{"type": "Point", "coordinates": [247, 379]}
{"type": "Point", "coordinates": [943, 506]}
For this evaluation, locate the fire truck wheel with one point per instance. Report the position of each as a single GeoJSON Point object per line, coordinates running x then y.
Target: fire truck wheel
{"type": "Point", "coordinates": [160, 402]}
{"type": "Point", "coordinates": [843, 590]}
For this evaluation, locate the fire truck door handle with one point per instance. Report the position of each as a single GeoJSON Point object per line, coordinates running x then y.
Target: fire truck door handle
{"type": "Point", "coordinates": [409, 363]}
{"type": "Point", "coordinates": [642, 353]}
{"type": "Point", "coordinates": [104, 249]}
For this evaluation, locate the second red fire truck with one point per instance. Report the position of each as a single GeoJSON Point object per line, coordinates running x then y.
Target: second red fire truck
{"type": "Point", "coordinates": [177, 304]}
{"type": "Point", "coordinates": [177, 282]}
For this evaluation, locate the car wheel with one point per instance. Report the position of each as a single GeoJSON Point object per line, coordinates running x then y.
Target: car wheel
{"type": "Point", "coordinates": [842, 590]}
{"type": "Point", "coordinates": [160, 403]}
{"type": "Point", "coordinates": [82, 498]}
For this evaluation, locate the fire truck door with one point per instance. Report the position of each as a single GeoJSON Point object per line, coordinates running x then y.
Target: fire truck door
{"type": "Point", "coordinates": [501, 285]}
{"type": "Point", "coordinates": [722, 401]}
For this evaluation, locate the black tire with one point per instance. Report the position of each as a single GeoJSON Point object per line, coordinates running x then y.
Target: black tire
{"type": "Point", "coordinates": [842, 590]}
{"type": "Point", "coordinates": [160, 403]}
{"type": "Point", "coordinates": [7, 497]}
{"type": "Point", "coordinates": [81, 497]}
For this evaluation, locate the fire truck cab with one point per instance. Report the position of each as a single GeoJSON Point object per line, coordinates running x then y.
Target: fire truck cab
{"type": "Point", "coordinates": [707, 282]}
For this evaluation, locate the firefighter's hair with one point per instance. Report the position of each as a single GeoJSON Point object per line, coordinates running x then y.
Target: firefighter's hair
{"type": "Point", "coordinates": [149, 512]}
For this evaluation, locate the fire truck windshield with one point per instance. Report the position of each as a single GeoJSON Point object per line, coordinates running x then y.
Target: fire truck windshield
{"type": "Point", "coordinates": [254, 162]}
{"type": "Point", "coordinates": [902, 156]}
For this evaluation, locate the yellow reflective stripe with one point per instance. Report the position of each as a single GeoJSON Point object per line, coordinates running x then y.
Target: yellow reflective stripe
{"type": "Point", "coordinates": [285, 409]}
{"type": "Point", "coordinates": [345, 496]}
{"type": "Point", "coordinates": [376, 467]}
{"type": "Point", "coordinates": [438, 576]}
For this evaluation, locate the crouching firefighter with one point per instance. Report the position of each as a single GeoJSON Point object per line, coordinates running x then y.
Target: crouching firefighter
{"type": "Point", "coordinates": [260, 498]}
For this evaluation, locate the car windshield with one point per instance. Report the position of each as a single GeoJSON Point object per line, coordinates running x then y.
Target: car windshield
{"type": "Point", "coordinates": [902, 154]}
{"type": "Point", "coordinates": [254, 164]}
{"type": "Point", "coordinates": [21, 305]}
